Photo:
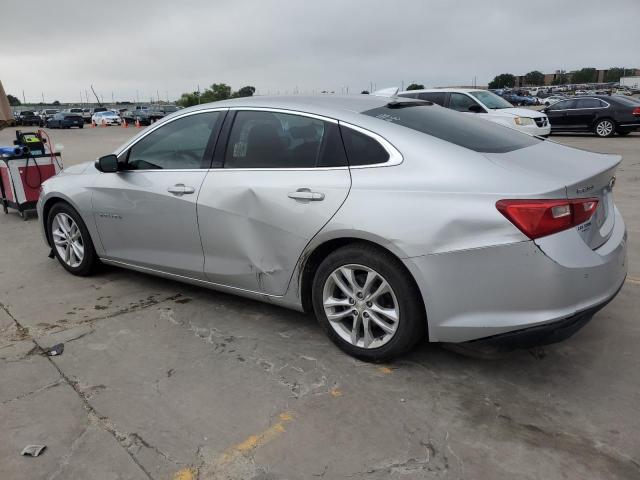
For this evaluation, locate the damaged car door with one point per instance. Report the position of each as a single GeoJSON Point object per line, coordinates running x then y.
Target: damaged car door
{"type": "Point", "coordinates": [276, 181]}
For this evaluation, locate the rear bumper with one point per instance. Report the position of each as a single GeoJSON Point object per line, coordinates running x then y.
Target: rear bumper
{"type": "Point", "coordinates": [485, 292]}
{"type": "Point", "coordinates": [545, 334]}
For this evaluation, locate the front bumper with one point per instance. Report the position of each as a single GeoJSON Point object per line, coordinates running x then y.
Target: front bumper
{"type": "Point", "coordinates": [484, 292]}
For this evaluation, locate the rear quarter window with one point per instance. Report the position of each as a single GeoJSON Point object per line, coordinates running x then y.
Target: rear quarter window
{"type": "Point", "coordinates": [458, 128]}
{"type": "Point", "coordinates": [362, 149]}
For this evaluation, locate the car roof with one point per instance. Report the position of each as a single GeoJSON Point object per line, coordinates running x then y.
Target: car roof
{"type": "Point", "coordinates": [332, 106]}
{"type": "Point", "coordinates": [447, 90]}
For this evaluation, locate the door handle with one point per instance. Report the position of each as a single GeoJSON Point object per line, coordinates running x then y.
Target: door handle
{"type": "Point", "coordinates": [306, 194]}
{"type": "Point", "coordinates": [180, 189]}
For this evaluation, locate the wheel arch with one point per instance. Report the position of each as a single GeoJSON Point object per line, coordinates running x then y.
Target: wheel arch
{"type": "Point", "coordinates": [314, 257]}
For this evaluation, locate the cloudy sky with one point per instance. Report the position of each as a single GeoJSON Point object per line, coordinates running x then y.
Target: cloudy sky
{"type": "Point", "coordinates": [129, 48]}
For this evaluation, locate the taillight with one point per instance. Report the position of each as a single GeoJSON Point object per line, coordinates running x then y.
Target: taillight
{"type": "Point", "coordinates": [636, 111]}
{"type": "Point", "coordinates": [538, 218]}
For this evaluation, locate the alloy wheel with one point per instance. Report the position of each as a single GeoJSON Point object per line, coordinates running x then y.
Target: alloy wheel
{"type": "Point", "coordinates": [361, 306]}
{"type": "Point", "coordinates": [604, 128]}
{"type": "Point", "coordinates": [67, 239]}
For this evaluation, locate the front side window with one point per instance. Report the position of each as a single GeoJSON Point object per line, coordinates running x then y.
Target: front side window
{"type": "Point", "coordinates": [563, 105]}
{"type": "Point", "coordinates": [262, 139]}
{"type": "Point", "coordinates": [461, 102]}
{"type": "Point", "coordinates": [180, 144]}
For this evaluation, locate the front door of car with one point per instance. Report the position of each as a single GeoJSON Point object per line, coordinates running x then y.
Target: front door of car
{"type": "Point", "coordinates": [280, 177]}
{"type": "Point", "coordinates": [146, 212]}
{"type": "Point", "coordinates": [558, 114]}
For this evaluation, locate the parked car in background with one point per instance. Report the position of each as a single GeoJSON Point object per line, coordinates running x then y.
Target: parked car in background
{"type": "Point", "coordinates": [65, 120]}
{"type": "Point", "coordinates": [46, 114]}
{"type": "Point", "coordinates": [106, 118]}
{"type": "Point", "coordinates": [29, 117]}
{"type": "Point", "coordinates": [86, 115]}
{"type": "Point", "coordinates": [603, 115]}
{"type": "Point", "coordinates": [76, 110]}
{"type": "Point", "coordinates": [404, 221]}
{"type": "Point", "coordinates": [486, 105]}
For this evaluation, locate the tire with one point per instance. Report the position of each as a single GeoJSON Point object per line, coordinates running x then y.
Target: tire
{"type": "Point", "coordinates": [623, 133]}
{"type": "Point", "coordinates": [81, 126]}
{"type": "Point", "coordinates": [87, 264]}
{"type": "Point", "coordinates": [402, 300]}
{"type": "Point", "coordinates": [605, 127]}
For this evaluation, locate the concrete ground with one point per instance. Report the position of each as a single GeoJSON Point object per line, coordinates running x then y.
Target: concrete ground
{"type": "Point", "coordinates": [161, 380]}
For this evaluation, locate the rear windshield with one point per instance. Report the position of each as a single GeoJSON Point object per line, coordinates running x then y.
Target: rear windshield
{"type": "Point", "coordinates": [625, 101]}
{"type": "Point", "coordinates": [460, 129]}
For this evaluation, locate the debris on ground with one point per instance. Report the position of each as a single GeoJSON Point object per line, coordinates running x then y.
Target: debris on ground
{"type": "Point", "coordinates": [33, 450]}
{"type": "Point", "coordinates": [55, 350]}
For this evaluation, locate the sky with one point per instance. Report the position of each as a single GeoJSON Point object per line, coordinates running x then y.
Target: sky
{"type": "Point", "coordinates": [135, 50]}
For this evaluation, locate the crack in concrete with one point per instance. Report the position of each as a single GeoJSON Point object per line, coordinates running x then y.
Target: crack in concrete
{"type": "Point", "coordinates": [33, 392]}
{"type": "Point", "coordinates": [85, 401]}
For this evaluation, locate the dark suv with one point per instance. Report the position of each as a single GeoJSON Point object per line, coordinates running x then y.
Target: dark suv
{"type": "Point", "coordinates": [29, 117]}
{"type": "Point", "coordinates": [603, 115]}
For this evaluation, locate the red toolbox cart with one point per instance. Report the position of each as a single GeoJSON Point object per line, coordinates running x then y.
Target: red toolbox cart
{"type": "Point", "coordinates": [23, 169]}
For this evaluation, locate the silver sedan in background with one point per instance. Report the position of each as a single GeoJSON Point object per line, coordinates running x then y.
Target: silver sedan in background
{"type": "Point", "coordinates": [393, 219]}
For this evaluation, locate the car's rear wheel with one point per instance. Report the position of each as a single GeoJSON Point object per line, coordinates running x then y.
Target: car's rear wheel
{"type": "Point", "coordinates": [367, 303]}
{"type": "Point", "coordinates": [605, 128]}
{"type": "Point", "coordinates": [70, 240]}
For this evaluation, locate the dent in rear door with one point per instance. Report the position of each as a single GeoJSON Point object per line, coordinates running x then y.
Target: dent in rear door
{"type": "Point", "coordinates": [253, 233]}
{"type": "Point", "coordinates": [255, 222]}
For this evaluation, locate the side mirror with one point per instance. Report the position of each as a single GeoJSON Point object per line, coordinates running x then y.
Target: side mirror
{"type": "Point", "coordinates": [476, 109]}
{"type": "Point", "coordinates": [107, 164]}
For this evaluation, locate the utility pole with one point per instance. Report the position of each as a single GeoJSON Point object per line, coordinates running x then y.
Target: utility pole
{"type": "Point", "coordinates": [137, 96]}
{"type": "Point", "coordinates": [158, 95]}
{"type": "Point", "coordinates": [198, 94]}
{"type": "Point", "coordinates": [42, 97]}
{"type": "Point", "coordinates": [112, 101]}
{"type": "Point", "coordinates": [23, 99]}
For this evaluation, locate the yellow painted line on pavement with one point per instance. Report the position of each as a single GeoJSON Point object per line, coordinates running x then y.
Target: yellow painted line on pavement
{"type": "Point", "coordinates": [335, 392]}
{"type": "Point", "coordinates": [185, 474]}
{"type": "Point", "coordinates": [254, 441]}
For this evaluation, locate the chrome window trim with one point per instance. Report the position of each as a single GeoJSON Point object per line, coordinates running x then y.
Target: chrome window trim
{"type": "Point", "coordinates": [395, 157]}
{"type": "Point", "coordinates": [284, 111]}
{"type": "Point", "coordinates": [585, 108]}
{"type": "Point", "coordinates": [160, 124]}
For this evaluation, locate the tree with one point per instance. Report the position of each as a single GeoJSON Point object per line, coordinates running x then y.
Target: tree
{"type": "Point", "coordinates": [247, 91]}
{"type": "Point", "coordinates": [13, 101]}
{"type": "Point", "coordinates": [614, 74]}
{"type": "Point", "coordinates": [561, 78]}
{"type": "Point", "coordinates": [56, 103]}
{"type": "Point", "coordinates": [503, 80]}
{"type": "Point", "coordinates": [584, 75]}
{"type": "Point", "coordinates": [534, 78]}
{"type": "Point", "coordinates": [364, 92]}
{"type": "Point", "coordinates": [415, 86]}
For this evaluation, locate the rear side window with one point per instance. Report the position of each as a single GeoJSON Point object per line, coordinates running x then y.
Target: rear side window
{"type": "Point", "coordinates": [362, 149]}
{"type": "Point", "coordinates": [435, 97]}
{"type": "Point", "coordinates": [588, 103]}
{"type": "Point", "coordinates": [466, 131]}
{"type": "Point", "coordinates": [263, 139]}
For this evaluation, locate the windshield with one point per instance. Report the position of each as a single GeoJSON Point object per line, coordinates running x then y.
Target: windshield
{"type": "Point", "coordinates": [454, 127]}
{"type": "Point", "coordinates": [170, 109]}
{"type": "Point", "coordinates": [491, 100]}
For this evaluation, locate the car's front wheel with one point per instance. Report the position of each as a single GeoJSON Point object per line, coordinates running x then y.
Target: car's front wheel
{"type": "Point", "coordinates": [70, 240]}
{"type": "Point", "coordinates": [367, 303]}
{"type": "Point", "coordinates": [605, 128]}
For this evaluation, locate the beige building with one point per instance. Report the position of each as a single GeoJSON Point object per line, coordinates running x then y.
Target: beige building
{"type": "Point", "coordinates": [550, 77]}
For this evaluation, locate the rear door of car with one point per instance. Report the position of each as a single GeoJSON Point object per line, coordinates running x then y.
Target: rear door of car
{"type": "Point", "coordinates": [584, 113]}
{"type": "Point", "coordinates": [146, 212]}
{"type": "Point", "coordinates": [277, 178]}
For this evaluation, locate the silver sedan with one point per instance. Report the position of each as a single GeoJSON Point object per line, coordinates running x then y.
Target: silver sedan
{"type": "Point", "coordinates": [394, 220]}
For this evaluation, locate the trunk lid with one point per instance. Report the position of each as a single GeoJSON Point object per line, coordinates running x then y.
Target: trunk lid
{"type": "Point", "coordinates": [583, 175]}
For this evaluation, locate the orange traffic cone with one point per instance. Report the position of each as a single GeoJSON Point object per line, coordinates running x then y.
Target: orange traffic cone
{"type": "Point", "coordinates": [124, 123]}
{"type": "Point", "coordinates": [93, 124]}
{"type": "Point", "coordinates": [104, 123]}
{"type": "Point", "coordinates": [137, 123]}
